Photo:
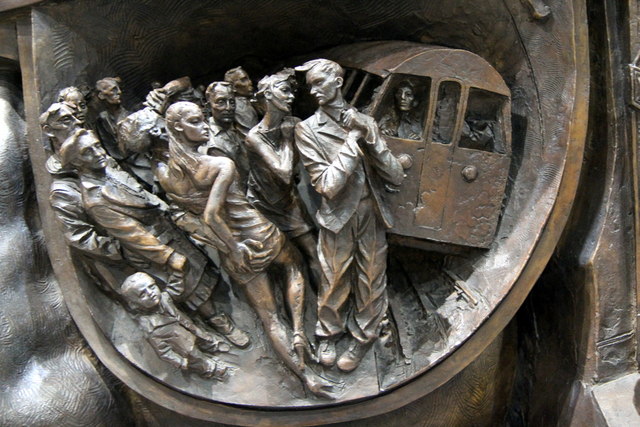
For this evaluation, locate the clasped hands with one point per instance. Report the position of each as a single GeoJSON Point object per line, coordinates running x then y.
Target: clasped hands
{"type": "Point", "coordinates": [356, 124]}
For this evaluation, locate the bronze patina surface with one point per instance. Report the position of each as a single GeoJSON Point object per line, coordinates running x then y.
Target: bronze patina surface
{"type": "Point", "coordinates": [424, 167]}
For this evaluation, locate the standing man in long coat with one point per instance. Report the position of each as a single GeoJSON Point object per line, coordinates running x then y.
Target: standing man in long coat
{"type": "Point", "coordinates": [348, 162]}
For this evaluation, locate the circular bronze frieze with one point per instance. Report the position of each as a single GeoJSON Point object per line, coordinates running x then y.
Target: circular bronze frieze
{"type": "Point", "coordinates": [434, 154]}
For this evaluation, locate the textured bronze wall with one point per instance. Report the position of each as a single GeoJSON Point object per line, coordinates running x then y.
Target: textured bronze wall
{"type": "Point", "coordinates": [49, 376]}
{"type": "Point", "coordinates": [479, 394]}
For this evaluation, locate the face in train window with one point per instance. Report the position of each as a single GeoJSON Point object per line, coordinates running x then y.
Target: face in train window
{"type": "Point", "coordinates": [404, 107]}
{"type": "Point", "coordinates": [444, 121]}
{"type": "Point", "coordinates": [481, 129]}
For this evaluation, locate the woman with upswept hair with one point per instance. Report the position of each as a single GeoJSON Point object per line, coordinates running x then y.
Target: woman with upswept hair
{"type": "Point", "coordinates": [272, 186]}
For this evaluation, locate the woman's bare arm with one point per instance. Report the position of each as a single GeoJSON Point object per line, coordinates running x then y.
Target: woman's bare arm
{"type": "Point", "coordinates": [219, 172]}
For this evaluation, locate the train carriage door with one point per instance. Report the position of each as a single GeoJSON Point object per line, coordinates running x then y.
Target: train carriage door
{"type": "Point", "coordinates": [478, 170]}
{"type": "Point", "coordinates": [401, 114]}
{"type": "Point", "coordinates": [434, 176]}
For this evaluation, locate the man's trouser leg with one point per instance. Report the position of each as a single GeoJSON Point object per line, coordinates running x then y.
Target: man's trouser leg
{"type": "Point", "coordinates": [370, 289]}
{"type": "Point", "coordinates": [335, 253]}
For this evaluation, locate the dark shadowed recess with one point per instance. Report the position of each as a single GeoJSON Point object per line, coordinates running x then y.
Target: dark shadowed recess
{"type": "Point", "coordinates": [144, 40]}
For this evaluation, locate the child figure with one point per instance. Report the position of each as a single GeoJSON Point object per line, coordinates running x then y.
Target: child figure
{"type": "Point", "coordinates": [174, 337]}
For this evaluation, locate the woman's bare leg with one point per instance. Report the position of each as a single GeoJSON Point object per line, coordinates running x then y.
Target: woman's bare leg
{"type": "Point", "coordinates": [261, 298]}
{"type": "Point", "coordinates": [308, 245]}
{"type": "Point", "coordinates": [291, 260]}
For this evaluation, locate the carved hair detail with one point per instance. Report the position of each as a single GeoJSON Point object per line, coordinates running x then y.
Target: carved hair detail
{"type": "Point", "coordinates": [180, 159]}
{"type": "Point", "coordinates": [174, 113]}
{"type": "Point", "coordinates": [228, 76]}
{"type": "Point", "coordinates": [268, 82]}
{"type": "Point", "coordinates": [215, 85]}
{"type": "Point", "coordinates": [410, 84]}
{"type": "Point", "coordinates": [107, 81]}
{"type": "Point", "coordinates": [129, 289]}
{"type": "Point", "coordinates": [324, 65]}
{"type": "Point", "coordinates": [64, 93]}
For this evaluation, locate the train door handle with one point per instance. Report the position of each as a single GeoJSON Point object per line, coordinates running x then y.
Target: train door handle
{"type": "Point", "coordinates": [469, 173]}
{"type": "Point", "coordinates": [405, 160]}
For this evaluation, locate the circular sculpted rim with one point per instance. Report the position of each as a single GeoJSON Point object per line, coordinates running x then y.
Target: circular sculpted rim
{"type": "Point", "coordinates": [400, 396]}
{"type": "Point", "coordinates": [418, 387]}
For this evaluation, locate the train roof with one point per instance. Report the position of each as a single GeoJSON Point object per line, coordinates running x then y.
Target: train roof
{"type": "Point", "coordinates": [389, 57]}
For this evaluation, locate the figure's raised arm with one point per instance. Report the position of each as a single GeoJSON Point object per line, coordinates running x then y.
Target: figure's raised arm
{"type": "Point", "coordinates": [280, 165]}
{"type": "Point", "coordinates": [327, 177]}
{"type": "Point", "coordinates": [374, 145]}
{"type": "Point", "coordinates": [219, 172]}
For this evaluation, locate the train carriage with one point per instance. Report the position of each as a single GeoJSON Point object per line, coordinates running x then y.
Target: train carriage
{"type": "Point", "coordinates": [459, 137]}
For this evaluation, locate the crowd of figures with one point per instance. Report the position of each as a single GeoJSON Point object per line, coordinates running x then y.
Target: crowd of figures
{"type": "Point", "coordinates": [146, 197]}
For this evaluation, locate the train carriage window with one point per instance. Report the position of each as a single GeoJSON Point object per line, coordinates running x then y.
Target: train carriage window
{"type": "Point", "coordinates": [404, 106]}
{"type": "Point", "coordinates": [481, 129]}
{"type": "Point", "coordinates": [349, 87]}
{"type": "Point", "coordinates": [359, 88]}
{"type": "Point", "coordinates": [444, 121]}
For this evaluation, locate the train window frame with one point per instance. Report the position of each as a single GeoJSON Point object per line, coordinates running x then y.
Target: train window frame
{"type": "Point", "coordinates": [384, 102]}
{"type": "Point", "coordinates": [460, 108]}
{"type": "Point", "coordinates": [358, 82]}
{"type": "Point", "coordinates": [499, 141]}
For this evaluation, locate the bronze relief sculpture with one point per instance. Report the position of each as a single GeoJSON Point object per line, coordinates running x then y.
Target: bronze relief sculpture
{"type": "Point", "coordinates": [329, 237]}
{"type": "Point", "coordinates": [249, 245]}
{"type": "Point", "coordinates": [312, 268]}
{"type": "Point", "coordinates": [110, 95]}
{"type": "Point", "coordinates": [274, 160]}
{"type": "Point", "coordinates": [402, 121]}
{"type": "Point", "coordinates": [172, 334]}
{"type": "Point", "coordinates": [246, 116]}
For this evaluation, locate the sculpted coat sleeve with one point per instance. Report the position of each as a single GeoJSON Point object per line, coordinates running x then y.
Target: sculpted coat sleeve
{"type": "Point", "coordinates": [187, 323]}
{"type": "Point", "coordinates": [381, 158]}
{"type": "Point", "coordinates": [328, 178]}
{"type": "Point", "coordinates": [131, 234]}
{"type": "Point", "coordinates": [166, 352]}
{"type": "Point", "coordinates": [66, 200]}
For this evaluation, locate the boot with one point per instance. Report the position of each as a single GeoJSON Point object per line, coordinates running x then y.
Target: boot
{"type": "Point", "coordinates": [350, 359]}
{"type": "Point", "coordinates": [225, 326]}
{"type": "Point", "coordinates": [327, 351]}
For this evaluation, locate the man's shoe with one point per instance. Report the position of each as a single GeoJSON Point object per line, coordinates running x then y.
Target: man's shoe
{"type": "Point", "coordinates": [214, 345]}
{"type": "Point", "coordinates": [214, 370]}
{"type": "Point", "coordinates": [350, 359]}
{"type": "Point", "coordinates": [327, 352]}
{"type": "Point", "coordinates": [238, 337]}
{"type": "Point", "coordinates": [225, 327]}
